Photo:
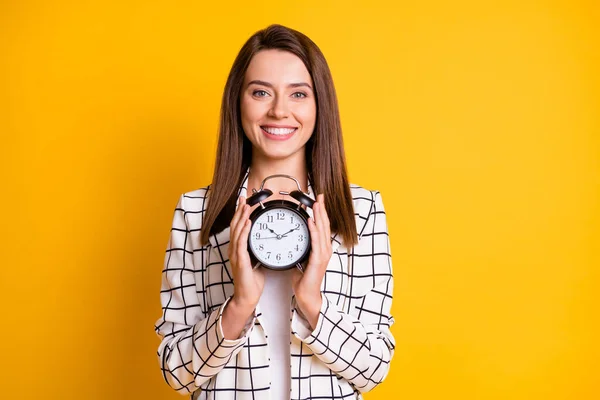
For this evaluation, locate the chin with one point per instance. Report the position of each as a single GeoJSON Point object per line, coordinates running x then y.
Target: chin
{"type": "Point", "coordinates": [280, 154]}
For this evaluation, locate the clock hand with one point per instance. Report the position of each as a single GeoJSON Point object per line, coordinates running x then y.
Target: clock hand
{"type": "Point", "coordinates": [290, 231]}
{"type": "Point", "coordinates": [270, 237]}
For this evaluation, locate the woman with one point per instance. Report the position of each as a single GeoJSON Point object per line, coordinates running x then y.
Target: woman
{"type": "Point", "coordinates": [322, 333]}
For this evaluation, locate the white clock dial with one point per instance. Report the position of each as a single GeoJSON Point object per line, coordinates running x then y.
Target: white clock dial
{"type": "Point", "coordinates": [279, 237]}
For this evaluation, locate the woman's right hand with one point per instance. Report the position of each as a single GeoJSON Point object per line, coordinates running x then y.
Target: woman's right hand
{"type": "Point", "coordinates": [248, 282]}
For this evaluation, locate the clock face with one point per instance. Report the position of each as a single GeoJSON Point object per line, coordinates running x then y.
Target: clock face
{"type": "Point", "coordinates": [279, 237]}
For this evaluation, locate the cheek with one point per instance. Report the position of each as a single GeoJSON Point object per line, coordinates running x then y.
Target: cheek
{"type": "Point", "coordinates": [307, 115]}
{"type": "Point", "coordinates": [251, 111]}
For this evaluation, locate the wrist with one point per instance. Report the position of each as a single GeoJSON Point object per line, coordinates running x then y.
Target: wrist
{"type": "Point", "coordinates": [307, 299]}
{"type": "Point", "coordinates": [310, 306]}
{"type": "Point", "coordinates": [234, 319]}
{"type": "Point", "coordinates": [239, 308]}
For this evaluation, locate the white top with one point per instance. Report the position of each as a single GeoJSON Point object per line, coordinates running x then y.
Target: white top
{"type": "Point", "coordinates": [274, 305]}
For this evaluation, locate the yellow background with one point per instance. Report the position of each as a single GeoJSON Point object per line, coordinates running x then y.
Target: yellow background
{"type": "Point", "coordinates": [478, 122]}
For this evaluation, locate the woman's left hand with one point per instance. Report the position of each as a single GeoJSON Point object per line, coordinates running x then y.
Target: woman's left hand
{"type": "Point", "coordinates": [307, 285]}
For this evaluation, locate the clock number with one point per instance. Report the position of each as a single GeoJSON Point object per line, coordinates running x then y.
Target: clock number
{"type": "Point", "coordinates": [269, 218]}
{"type": "Point", "coordinates": [292, 219]}
{"type": "Point", "coordinates": [268, 255]}
{"type": "Point", "coordinates": [262, 226]}
{"type": "Point", "coordinates": [257, 235]}
{"type": "Point", "coordinates": [297, 247]}
{"type": "Point", "coordinates": [290, 255]}
{"type": "Point", "coordinates": [301, 238]}
{"type": "Point", "coordinates": [278, 256]}
{"type": "Point", "coordinates": [280, 215]}
{"type": "Point", "coordinates": [261, 247]}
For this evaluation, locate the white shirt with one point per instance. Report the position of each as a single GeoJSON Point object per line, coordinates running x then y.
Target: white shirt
{"type": "Point", "coordinates": [274, 304]}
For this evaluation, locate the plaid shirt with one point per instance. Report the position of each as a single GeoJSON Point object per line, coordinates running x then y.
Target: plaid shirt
{"type": "Point", "coordinates": [348, 352]}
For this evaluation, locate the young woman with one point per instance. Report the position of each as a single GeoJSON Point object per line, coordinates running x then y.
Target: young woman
{"type": "Point", "coordinates": [231, 331]}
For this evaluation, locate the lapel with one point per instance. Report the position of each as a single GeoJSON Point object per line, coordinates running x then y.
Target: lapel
{"type": "Point", "coordinates": [362, 209]}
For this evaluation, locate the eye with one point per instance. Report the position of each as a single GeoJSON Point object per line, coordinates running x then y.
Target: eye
{"type": "Point", "coordinates": [299, 95]}
{"type": "Point", "coordinates": [259, 93]}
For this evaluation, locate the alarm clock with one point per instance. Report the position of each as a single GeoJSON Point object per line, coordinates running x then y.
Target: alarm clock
{"type": "Point", "coordinates": [279, 237]}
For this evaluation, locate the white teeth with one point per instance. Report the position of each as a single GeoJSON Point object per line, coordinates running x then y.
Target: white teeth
{"type": "Point", "coordinates": [279, 131]}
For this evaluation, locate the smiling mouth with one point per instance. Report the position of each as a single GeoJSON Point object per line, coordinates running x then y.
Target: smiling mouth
{"type": "Point", "coordinates": [278, 131]}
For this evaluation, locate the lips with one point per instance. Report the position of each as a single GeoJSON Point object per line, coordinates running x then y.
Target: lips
{"type": "Point", "coordinates": [278, 132]}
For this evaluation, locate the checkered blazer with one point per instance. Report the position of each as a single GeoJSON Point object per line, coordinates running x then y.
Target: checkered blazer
{"type": "Point", "coordinates": [349, 351]}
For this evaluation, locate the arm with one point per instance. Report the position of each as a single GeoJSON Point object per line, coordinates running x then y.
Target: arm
{"type": "Point", "coordinates": [358, 345]}
{"type": "Point", "coordinates": [193, 347]}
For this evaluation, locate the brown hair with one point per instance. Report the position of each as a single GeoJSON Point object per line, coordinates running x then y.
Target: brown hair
{"type": "Point", "coordinates": [325, 157]}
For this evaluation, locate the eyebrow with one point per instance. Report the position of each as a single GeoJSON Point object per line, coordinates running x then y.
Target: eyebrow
{"type": "Point", "coordinates": [264, 83]}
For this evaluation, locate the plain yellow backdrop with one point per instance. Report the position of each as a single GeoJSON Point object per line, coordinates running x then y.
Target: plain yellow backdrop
{"type": "Point", "coordinates": [477, 121]}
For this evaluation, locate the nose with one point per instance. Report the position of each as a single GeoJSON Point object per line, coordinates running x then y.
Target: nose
{"type": "Point", "coordinates": [279, 108]}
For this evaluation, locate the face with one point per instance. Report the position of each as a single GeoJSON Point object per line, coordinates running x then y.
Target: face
{"type": "Point", "coordinates": [277, 104]}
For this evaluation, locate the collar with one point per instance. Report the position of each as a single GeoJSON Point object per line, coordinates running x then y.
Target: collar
{"type": "Point", "coordinates": [243, 190]}
{"type": "Point", "coordinates": [362, 209]}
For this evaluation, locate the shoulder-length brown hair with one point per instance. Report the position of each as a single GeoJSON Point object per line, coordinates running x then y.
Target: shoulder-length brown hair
{"type": "Point", "coordinates": [325, 157]}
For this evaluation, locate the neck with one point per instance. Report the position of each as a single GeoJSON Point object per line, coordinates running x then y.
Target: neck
{"type": "Point", "coordinates": [295, 166]}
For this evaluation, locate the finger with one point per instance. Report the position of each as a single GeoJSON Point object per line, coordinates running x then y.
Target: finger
{"type": "Point", "coordinates": [235, 221]}
{"type": "Point", "coordinates": [239, 249]}
{"type": "Point", "coordinates": [313, 231]}
{"type": "Point", "coordinates": [323, 219]}
{"type": "Point", "coordinates": [320, 224]}
{"type": "Point", "coordinates": [324, 214]}
{"type": "Point", "coordinates": [324, 235]}
{"type": "Point", "coordinates": [317, 212]}
{"type": "Point", "coordinates": [320, 220]}
{"type": "Point", "coordinates": [316, 239]}
{"type": "Point", "coordinates": [243, 218]}
{"type": "Point", "coordinates": [232, 226]}
{"type": "Point", "coordinates": [242, 245]}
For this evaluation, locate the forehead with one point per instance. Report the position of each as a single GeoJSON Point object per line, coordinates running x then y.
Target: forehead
{"type": "Point", "coordinates": [277, 66]}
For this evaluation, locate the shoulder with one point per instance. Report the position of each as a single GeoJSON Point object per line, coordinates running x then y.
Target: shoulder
{"type": "Point", "coordinates": [194, 200]}
{"type": "Point", "coordinates": [367, 203]}
{"type": "Point", "coordinates": [191, 205]}
{"type": "Point", "coordinates": [360, 193]}
{"type": "Point", "coordinates": [363, 197]}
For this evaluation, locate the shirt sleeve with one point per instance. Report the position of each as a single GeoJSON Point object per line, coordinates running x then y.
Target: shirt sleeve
{"type": "Point", "coordinates": [358, 345]}
{"type": "Point", "coordinates": [193, 348]}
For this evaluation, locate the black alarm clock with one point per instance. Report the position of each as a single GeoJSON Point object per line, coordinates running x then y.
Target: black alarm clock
{"type": "Point", "coordinates": [279, 237]}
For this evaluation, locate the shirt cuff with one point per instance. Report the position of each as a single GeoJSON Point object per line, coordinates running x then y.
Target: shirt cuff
{"type": "Point", "coordinates": [243, 335]}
